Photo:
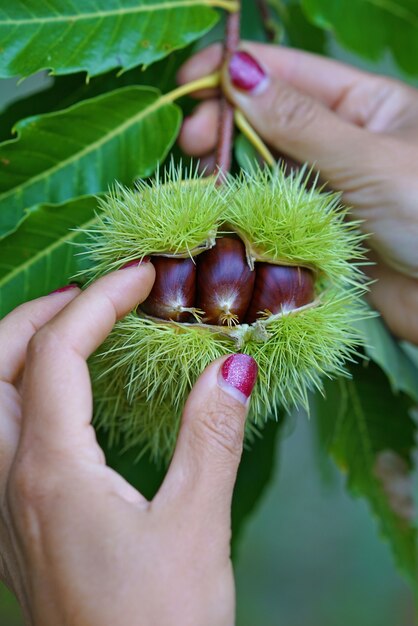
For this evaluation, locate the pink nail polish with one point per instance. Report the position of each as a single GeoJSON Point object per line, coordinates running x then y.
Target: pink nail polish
{"type": "Point", "coordinates": [238, 375]}
{"type": "Point", "coordinates": [65, 288]}
{"type": "Point", "coordinates": [246, 73]}
{"type": "Point", "coordinates": [135, 262]}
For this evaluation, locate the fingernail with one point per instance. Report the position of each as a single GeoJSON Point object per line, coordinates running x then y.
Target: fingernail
{"type": "Point", "coordinates": [246, 73]}
{"type": "Point", "coordinates": [237, 376]}
{"type": "Point", "coordinates": [136, 262]}
{"type": "Point", "coordinates": [65, 288]}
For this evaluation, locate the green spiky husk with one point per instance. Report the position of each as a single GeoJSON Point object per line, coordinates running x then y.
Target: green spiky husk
{"type": "Point", "coordinates": [145, 369]}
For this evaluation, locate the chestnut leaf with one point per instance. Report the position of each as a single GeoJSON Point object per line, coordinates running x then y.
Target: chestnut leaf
{"type": "Point", "coordinates": [383, 348]}
{"type": "Point", "coordinates": [371, 27]}
{"type": "Point", "coordinates": [38, 258]}
{"type": "Point", "coordinates": [370, 435]}
{"type": "Point", "coordinates": [81, 150]}
{"type": "Point", "coordinates": [64, 91]}
{"type": "Point", "coordinates": [96, 36]}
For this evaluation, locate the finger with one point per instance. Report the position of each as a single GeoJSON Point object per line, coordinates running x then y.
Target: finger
{"type": "Point", "coordinates": [18, 327]}
{"type": "Point", "coordinates": [16, 330]}
{"type": "Point", "coordinates": [57, 402]}
{"type": "Point", "coordinates": [377, 102]}
{"type": "Point", "coordinates": [199, 131]}
{"type": "Point", "coordinates": [209, 447]}
{"type": "Point", "coordinates": [207, 164]}
{"type": "Point", "coordinates": [324, 79]}
{"type": "Point", "coordinates": [302, 127]}
{"type": "Point", "coordinates": [9, 430]}
{"type": "Point", "coordinates": [360, 97]}
{"type": "Point", "coordinates": [204, 62]}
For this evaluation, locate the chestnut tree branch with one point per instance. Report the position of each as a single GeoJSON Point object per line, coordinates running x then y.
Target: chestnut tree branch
{"type": "Point", "coordinates": [271, 27]}
{"type": "Point", "coordinates": [226, 116]}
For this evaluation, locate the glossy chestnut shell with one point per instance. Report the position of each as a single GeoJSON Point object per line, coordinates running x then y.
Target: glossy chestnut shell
{"type": "Point", "coordinates": [174, 291]}
{"type": "Point", "coordinates": [279, 288]}
{"type": "Point", "coordinates": [225, 283]}
{"type": "Point", "coordinates": [218, 287]}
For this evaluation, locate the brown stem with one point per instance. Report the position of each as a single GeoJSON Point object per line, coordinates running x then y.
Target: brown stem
{"type": "Point", "coordinates": [267, 20]}
{"type": "Point", "coordinates": [226, 116]}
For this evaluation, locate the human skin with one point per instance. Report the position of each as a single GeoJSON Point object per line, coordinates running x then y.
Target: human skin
{"type": "Point", "coordinates": [78, 544]}
{"type": "Point", "coordinates": [358, 129]}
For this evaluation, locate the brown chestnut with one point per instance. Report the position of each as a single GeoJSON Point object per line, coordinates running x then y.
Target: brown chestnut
{"type": "Point", "coordinates": [224, 282]}
{"type": "Point", "coordinates": [279, 288]}
{"type": "Point", "coordinates": [173, 293]}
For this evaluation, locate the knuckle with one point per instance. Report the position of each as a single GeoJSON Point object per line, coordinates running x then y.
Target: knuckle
{"type": "Point", "coordinates": [44, 340]}
{"type": "Point", "coordinates": [292, 111]}
{"type": "Point", "coordinates": [22, 482]}
{"type": "Point", "coordinates": [221, 430]}
{"type": "Point", "coordinates": [376, 103]}
{"type": "Point", "coordinates": [28, 486]}
{"type": "Point", "coordinates": [360, 102]}
{"type": "Point", "coordinates": [30, 498]}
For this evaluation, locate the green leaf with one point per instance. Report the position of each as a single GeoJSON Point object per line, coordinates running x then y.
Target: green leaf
{"type": "Point", "coordinates": [369, 433]}
{"type": "Point", "coordinates": [300, 32]}
{"type": "Point", "coordinates": [82, 150]}
{"type": "Point", "coordinates": [96, 35]}
{"type": "Point", "coordinates": [246, 155]}
{"type": "Point", "coordinates": [137, 469]}
{"type": "Point", "coordinates": [68, 90]}
{"type": "Point", "coordinates": [251, 23]}
{"type": "Point", "coordinates": [254, 474]}
{"type": "Point", "coordinates": [38, 257]}
{"type": "Point", "coordinates": [370, 27]}
{"type": "Point", "coordinates": [384, 349]}
{"type": "Point", "coordinates": [411, 350]}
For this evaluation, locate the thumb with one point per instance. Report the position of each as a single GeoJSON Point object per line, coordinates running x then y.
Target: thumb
{"type": "Point", "coordinates": [209, 446]}
{"type": "Point", "coordinates": [295, 123]}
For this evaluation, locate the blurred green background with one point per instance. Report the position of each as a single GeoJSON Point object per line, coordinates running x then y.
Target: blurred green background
{"type": "Point", "coordinates": [310, 556]}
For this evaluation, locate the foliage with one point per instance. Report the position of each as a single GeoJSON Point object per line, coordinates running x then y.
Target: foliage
{"type": "Point", "coordinates": [397, 363]}
{"type": "Point", "coordinates": [370, 434]}
{"type": "Point", "coordinates": [37, 258]}
{"type": "Point", "coordinates": [105, 119]}
{"type": "Point", "coordinates": [96, 36]}
{"type": "Point", "coordinates": [82, 150]}
{"type": "Point", "coordinates": [372, 27]}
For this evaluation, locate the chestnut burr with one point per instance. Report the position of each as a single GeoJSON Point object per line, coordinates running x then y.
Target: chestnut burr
{"type": "Point", "coordinates": [224, 282]}
{"type": "Point", "coordinates": [279, 288]}
{"type": "Point", "coordinates": [173, 294]}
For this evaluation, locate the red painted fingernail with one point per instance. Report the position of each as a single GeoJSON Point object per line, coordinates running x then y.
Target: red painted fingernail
{"type": "Point", "coordinates": [65, 288]}
{"type": "Point", "coordinates": [136, 262]}
{"type": "Point", "coordinates": [238, 375]}
{"type": "Point", "coordinates": [246, 73]}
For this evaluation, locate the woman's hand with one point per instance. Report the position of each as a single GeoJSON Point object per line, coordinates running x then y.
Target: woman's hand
{"type": "Point", "coordinates": [78, 544]}
{"type": "Point", "coordinates": [358, 129]}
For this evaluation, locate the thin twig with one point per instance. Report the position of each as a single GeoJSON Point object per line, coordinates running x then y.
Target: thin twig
{"type": "Point", "coordinates": [206, 82]}
{"type": "Point", "coordinates": [270, 28]}
{"type": "Point", "coordinates": [255, 140]}
{"type": "Point", "coordinates": [226, 116]}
